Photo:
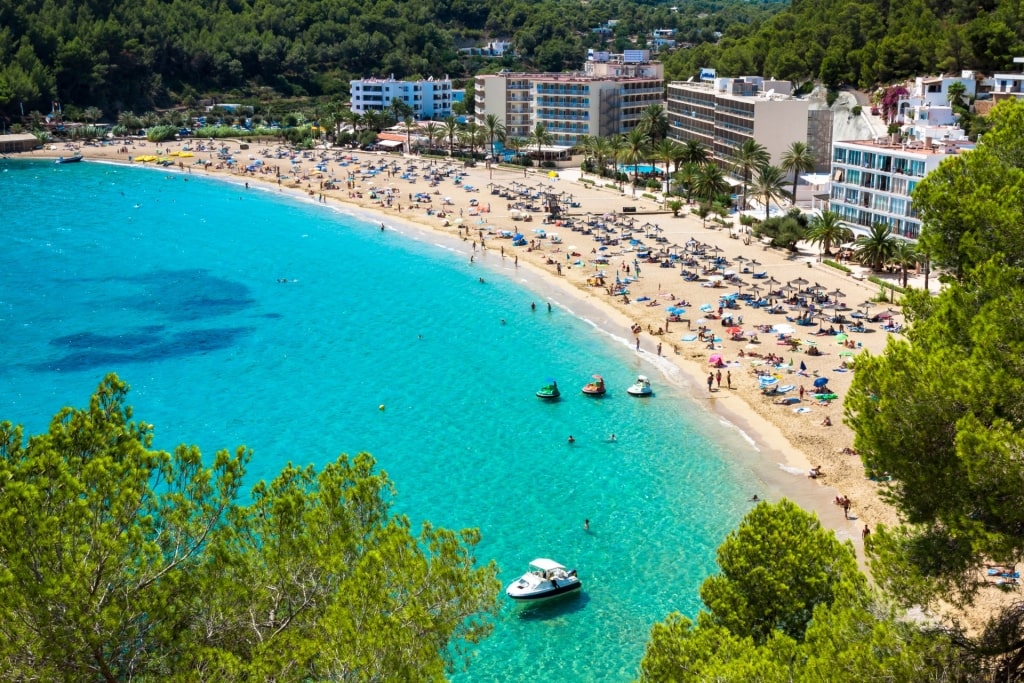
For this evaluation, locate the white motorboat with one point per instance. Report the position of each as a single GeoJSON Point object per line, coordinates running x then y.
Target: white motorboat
{"type": "Point", "coordinates": [641, 387]}
{"type": "Point", "coordinates": [545, 579]}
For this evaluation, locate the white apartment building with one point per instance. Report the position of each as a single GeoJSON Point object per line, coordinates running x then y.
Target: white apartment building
{"type": "Point", "coordinates": [723, 113]}
{"type": "Point", "coordinates": [608, 97]}
{"type": "Point", "coordinates": [429, 99]}
{"type": "Point", "coordinates": [872, 180]}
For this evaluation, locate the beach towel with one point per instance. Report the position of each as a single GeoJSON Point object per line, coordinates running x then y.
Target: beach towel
{"type": "Point", "coordinates": [787, 387]}
{"type": "Point", "coordinates": [801, 410]}
{"type": "Point", "coordinates": [689, 338]}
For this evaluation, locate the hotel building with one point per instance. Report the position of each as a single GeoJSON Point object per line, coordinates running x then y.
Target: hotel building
{"type": "Point", "coordinates": [608, 97]}
{"type": "Point", "coordinates": [723, 113]}
{"type": "Point", "coordinates": [429, 99]}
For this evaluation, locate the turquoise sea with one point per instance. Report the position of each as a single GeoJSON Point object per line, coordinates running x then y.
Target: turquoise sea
{"type": "Point", "coordinates": [172, 281]}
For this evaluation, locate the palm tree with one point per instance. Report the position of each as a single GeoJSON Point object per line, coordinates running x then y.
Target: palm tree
{"type": "Point", "coordinates": [798, 159]}
{"type": "Point", "coordinates": [451, 129]}
{"type": "Point", "coordinates": [750, 155]}
{"type": "Point", "coordinates": [637, 144]}
{"type": "Point", "coordinates": [517, 145]}
{"type": "Point", "coordinates": [769, 185]}
{"type": "Point", "coordinates": [667, 151]}
{"type": "Point", "coordinates": [433, 133]}
{"type": "Point", "coordinates": [687, 177]}
{"type": "Point", "coordinates": [654, 122]}
{"type": "Point", "coordinates": [905, 255]}
{"type": "Point", "coordinates": [495, 129]}
{"type": "Point", "coordinates": [827, 230]}
{"type": "Point", "coordinates": [709, 183]}
{"type": "Point", "coordinates": [955, 94]}
{"type": "Point", "coordinates": [604, 150]}
{"type": "Point", "coordinates": [92, 114]}
{"type": "Point", "coordinates": [540, 136]}
{"type": "Point", "coordinates": [409, 124]}
{"type": "Point", "coordinates": [472, 135]}
{"type": "Point", "coordinates": [875, 248]}
{"type": "Point", "coordinates": [695, 152]}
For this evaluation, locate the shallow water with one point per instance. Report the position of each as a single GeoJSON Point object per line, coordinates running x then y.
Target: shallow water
{"type": "Point", "coordinates": [172, 281]}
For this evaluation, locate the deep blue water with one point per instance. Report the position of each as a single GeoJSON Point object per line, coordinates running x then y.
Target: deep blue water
{"type": "Point", "coordinates": [172, 281]}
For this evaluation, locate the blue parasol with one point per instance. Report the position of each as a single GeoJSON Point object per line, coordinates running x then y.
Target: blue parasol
{"type": "Point", "coordinates": [821, 381]}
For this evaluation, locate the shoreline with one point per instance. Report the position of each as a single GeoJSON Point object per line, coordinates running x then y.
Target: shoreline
{"type": "Point", "coordinates": [785, 446]}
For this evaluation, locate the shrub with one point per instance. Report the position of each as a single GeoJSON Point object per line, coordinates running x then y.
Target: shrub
{"type": "Point", "coordinates": [831, 97]}
{"type": "Point", "coordinates": [646, 195]}
{"type": "Point", "coordinates": [885, 284]}
{"type": "Point", "coordinates": [161, 133]}
{"type": "Point", "coordinates": [837, 266]}
{"type": "Point", "coordinates": [856, 110]}
{"type": "Point", "coordinates": [675, 205]}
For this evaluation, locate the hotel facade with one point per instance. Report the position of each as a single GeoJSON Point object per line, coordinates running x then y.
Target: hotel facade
{"type": "Point", "coordinates": [723, 113]}
{"type": "Point", "coordinates": [429, 99]}
{"type": "Point", "coordinates": [607, 98]}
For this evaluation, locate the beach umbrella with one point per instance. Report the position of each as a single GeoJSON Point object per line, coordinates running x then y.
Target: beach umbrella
{"type": "Point", "coordinates": [798, 281]}
{"type": "Point", "coordinates": [842, 337]}
{"type": "Point", "coordinates": [773, 281]}
{"type": "Point", "coordinates": [706, 308]}
{"type": "Point", "coordinates": [803, 366]}
{"type": "Point", "coordinates": [820, 382]}
{"type": "Point", "coordinates": [837, 293]}
{"type": "Point", "coordinates": [734, 330]}
{"type": "Point", "coordinates": [715, 358]}
{"type": "Point", "coordinates": [701, 321]}
{"type": "Point", "coordinates": [783, 328]}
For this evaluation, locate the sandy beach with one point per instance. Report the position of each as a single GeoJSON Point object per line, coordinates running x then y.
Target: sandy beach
{"type": "Point", "coordinates": [788, 428]}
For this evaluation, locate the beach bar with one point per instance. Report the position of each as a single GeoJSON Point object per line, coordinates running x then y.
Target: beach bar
{"type": "Point", "coordinates": [24, 142]}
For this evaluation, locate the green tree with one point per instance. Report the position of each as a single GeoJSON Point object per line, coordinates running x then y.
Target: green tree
{"type": "Point", "coordinates": [666, 151]}
{"type": "Point", "coordinates": [950, 459]}
{"type": "Point", "coordinates": [434, 132]}
{"type": "Point", "coordinates": [750, 155]}
{"type": "Point", "coordinates": [121, 562]}
{"type": "Point", "coordinates": [875, 248]}
{"type": "Point", "coordinates": [451, 131]}
{"type": "Point", "coordinates": [654, 122]}
{"type": "Point", "coordinates": [828, 229]}
{"type": "Point", "coordinates": [636, 147]}
{"type": "Point", "coordinates": [709, 183]}
{"type": "Point", "coordinates": [972, 205]}
{"type": "Point", "coordinates": [495, 130]}
{"type": "Point", "coordinates": [797, 159]}
{"type": "Point", "coordinates": [769, 186]}
{"type": "Point", "coordinates": [540, 137]}
{"type": "Point", "coordinates": [695, 153]}
{"type": "Point", "coordinates": [905, 255]}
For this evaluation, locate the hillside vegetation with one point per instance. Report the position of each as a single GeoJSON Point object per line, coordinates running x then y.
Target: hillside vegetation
{"type": "Point", "coordinates": [865, 42]}
{"type": "Point", "coordinates": [118, 55]}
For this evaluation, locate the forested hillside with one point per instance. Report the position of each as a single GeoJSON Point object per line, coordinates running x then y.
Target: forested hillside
{"type": "Point", "coordinates": [866, 42]}
{"type": "Point", "coordinates": [121, 54]}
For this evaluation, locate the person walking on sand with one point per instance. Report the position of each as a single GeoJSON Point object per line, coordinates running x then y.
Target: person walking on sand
{"type": "Point", "coordinates": [718, 378]}
{"type": "Point", "coordinates": [711, 380]}
{"type": "Point", "coordinates": [728, 378]}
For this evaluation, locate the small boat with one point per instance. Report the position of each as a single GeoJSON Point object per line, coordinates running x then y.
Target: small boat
{"type": "Point", "coordinates": [549, 390]}
{"type": "Point", "coordinates": [69, 160]}
{"type": "Point", "coordinates": [642, 387]}
{"type": "Point", "coordinates": [546, 579]}
{"type": "Point", "coordinates": [595, 388]}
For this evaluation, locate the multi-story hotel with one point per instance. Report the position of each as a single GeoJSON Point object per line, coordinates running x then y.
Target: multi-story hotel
{"type": "Point", "coordinates": [429, 99]}
{"type": "Point", "coordinates": [608, 97]}
{"type": "Point", "coordinates": [723, 113]}
{"type": "Point", "coordinates": [872, 180]}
